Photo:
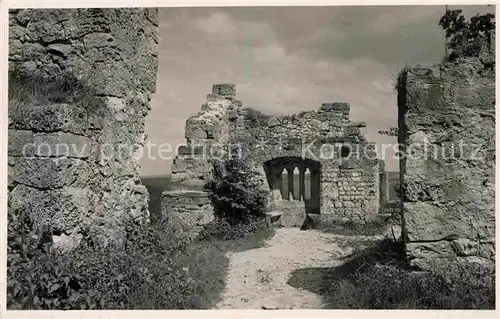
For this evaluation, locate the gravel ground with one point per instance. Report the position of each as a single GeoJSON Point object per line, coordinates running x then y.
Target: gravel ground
{"type": "Point", "coordinates": [257, 278]}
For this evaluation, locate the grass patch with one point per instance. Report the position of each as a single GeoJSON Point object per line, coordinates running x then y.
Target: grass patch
{"type": "Point", "coordinates": [153, 270]}
{"type": "Point", "coordinates": [377, 278]}
{"type": "Point", "coordinates": [39, 88]}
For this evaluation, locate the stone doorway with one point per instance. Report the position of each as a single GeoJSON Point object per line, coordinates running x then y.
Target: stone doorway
{"type": "Point", "coordinates": [295, 187]}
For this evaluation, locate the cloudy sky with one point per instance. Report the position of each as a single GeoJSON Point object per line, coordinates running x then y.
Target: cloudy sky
{"type": "Point", "coordinates": [285, 60]}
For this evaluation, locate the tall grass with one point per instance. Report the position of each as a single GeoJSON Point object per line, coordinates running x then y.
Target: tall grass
{"type": "Point", "coordinates": [379, 278]}
{"type": "Point", "coordinates": [154, 270]}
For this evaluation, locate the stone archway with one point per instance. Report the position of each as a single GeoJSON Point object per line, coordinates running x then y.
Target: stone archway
{"type": "Point", "coordinates": [295, 187]}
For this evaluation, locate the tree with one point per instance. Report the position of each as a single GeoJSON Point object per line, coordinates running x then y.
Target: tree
{"type": "Point", "coordinates": [237, 191]}
{"type": "Point", "coordinates": [464, 37]}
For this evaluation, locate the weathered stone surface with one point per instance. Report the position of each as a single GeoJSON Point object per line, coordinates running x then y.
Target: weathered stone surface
{"type": "Point", "coordinates": [449, 168]}
{"type": "Point", "coordinates": [293, 213]}
{"type": "Point", "coordinates": [48, 118]}
{"type": "Point", "coordinates": [20, 143]}
{"type": "Point", "coordinates": [114, 54]}
{"type": "Point", "coordinates": [227, 90]}
{"type": "Point", "coordinates": [48, 173]}
{"type": "Point", "coordinates": [187, 211]}
{"type": "Point", "coordinates": [62, 144]}
{"type": "Point", "coordinates": [64, 210]}
{"type": "Point", "coordinates": [349, 185]}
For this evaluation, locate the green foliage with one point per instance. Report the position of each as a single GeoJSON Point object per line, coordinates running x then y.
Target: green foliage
{"type": "Point", "coordinates": [236, 191]}
{"type": "Point", "coordinates": [221, 229]}
{"type": "Point", "coordinates": [154, 270]}
{"type": "Point", "coordinates": [462, 34]}
{"type": "Point", "coordinates": [38, 88]}
{"type": "Point", "coordinates": [391, 287]}
{"type": "Point", "coordinates": [378, 277]}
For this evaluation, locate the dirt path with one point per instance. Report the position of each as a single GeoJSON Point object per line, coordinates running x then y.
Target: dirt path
{"type": "Point", "coordinates": [258, 278]}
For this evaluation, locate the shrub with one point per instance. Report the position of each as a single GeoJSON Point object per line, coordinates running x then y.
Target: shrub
{"type": "Point", "coordinates": [464, 37]}
{"type": "Point", "coordinates": [236, 191]}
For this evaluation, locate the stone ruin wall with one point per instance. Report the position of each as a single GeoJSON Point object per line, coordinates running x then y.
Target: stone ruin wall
{"type": "Point", "coordinates": [449, 199]}
{"type": "Point", "coordinates": [186, 206]}
{"type": "Point", "coordinates": [348, 193]}
{"type": "Point", "coordinates": [349, 189]}
{"type": "Point", "coordinates": [205, 132]}
{"type": "Point", "coordinates": [94, 192]}
{"type": "Point", "coordinates": [187, 211]}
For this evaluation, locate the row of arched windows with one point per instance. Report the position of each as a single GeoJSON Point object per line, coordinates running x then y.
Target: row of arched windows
{"type": "Point", "coordinates": [296, 184]}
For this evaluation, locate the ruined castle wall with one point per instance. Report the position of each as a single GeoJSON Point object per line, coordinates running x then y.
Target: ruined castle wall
{"type": "Point", "coordinates": [93, 190]}
{"type": "Point", "coordinates": [349, 186]}
{"type": "Point", "coordinates": [449, 189]}
{"type": "Point", "coordinates": [351, 193]}
{"type": "Point", "coordinates": [207, 135]}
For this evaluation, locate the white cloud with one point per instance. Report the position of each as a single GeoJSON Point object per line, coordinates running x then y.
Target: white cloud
{"type": "Point", "coordinates": [196, 52]}
{"type": "Point", "coordinates": [217, 23]}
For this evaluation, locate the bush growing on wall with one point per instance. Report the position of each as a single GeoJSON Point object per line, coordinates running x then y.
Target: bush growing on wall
{"type": "Point", "coordinates": [237, 192]}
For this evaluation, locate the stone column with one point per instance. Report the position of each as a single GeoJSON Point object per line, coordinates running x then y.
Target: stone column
{"type": "Point", "coordinates": [384, 189]}
{"type": "Point", "coordinates": [296, 183]}
{"type": "Point", "coordinates": [285, 194]}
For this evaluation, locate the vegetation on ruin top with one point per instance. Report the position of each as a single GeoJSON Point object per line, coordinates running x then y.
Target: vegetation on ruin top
{"type": "Point", "coordinates": [38, 88]}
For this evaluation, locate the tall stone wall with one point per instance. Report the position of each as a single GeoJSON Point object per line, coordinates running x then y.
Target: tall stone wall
{"type": "Point", "coordinates": [447, 125]}
{"type": "Point", "coordinates": [207, 135]}
{"type": "Point", "coordinates": [187, 207]}
{"type": "Point", "coordinates": [93, 190]}
{"type": "Point", "coordinates": [349, 187]}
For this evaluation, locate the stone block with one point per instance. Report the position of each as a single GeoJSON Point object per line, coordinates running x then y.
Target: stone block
{"type": "Point", "coordinates": [196, 134]}
{"type": "Point", "coordinates": [191, 150]}
{"type": "Point", "coordinates": [273, 218]}
{"type": "Point", "coordinates": [63, 209]}
{"type": "Point", "coordinates": [188, 211]}
{"type": "Point", "coordinates": [227, 90]}
{"type": "Point", "coordinates": [62, 144]}
{"type": "Point", "coordinates": [212, 98]}
{"type": "Point", "coordinates": [351, 130]}
{"type": "Point", "coordinates": [20, 143]}
{"type": "Point", "coordinates": [48, 117]}
{"type": "Point", "coordinates": [293, 213]}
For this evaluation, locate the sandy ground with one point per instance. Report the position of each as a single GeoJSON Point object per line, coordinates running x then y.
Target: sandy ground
{"type": "Point", "coordinates": [257, 278]}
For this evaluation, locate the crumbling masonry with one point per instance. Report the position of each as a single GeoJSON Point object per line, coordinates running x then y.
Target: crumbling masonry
{"type": "Point", "coordinates": [316, 163]}
{"type": "Point", "coordinates": [447, 128]}
{"type": "Point", "coordinates": [93, 190]}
